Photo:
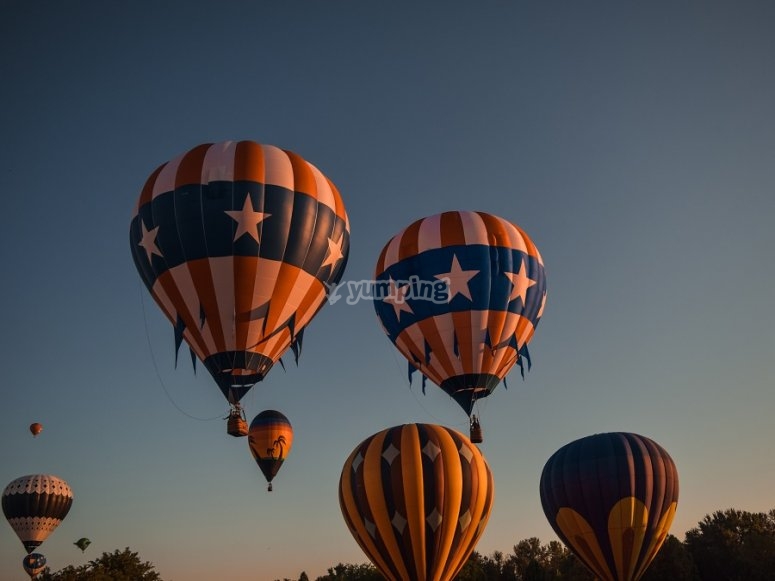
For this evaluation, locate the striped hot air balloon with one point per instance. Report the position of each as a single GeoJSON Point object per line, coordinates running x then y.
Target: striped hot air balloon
{"type": "Point", "coordinates": [460, 294]}
{"type": "Point", "coordinates": [417, 499]}
{"type": "Point", "coordinates": [35, 505]}
{"type": "Point", "coordinates": [611, 498]}
{"type": "Point", "coordinates": [270, 439]}
{"type": "Point", "coordinates": [238, 244]}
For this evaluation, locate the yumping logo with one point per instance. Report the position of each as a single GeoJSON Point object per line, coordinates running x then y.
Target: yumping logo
{"type": "Point", "coordinates": [392, 291]}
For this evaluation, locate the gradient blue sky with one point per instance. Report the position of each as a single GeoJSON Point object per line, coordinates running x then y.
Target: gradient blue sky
{"type": "Point", "coordinates": [634, 142]}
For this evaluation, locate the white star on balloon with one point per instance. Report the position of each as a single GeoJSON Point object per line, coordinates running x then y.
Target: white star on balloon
{"type": "Point", "coordinates": [247, 220]}
{"type": "Point", "coordinates": [458, 280]}
{"type": "Point", "coordinates": [521, 283]}
{"type": "Point", "coordinates": [334, 252]}
{"type": "Point", "coordinates": [148, 241]}
{"type": "Point", "coordinates": [397, 298]}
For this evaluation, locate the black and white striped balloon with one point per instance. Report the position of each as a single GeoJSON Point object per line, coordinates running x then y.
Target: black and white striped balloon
{"type": "Point", "coordinates": [35, 505]}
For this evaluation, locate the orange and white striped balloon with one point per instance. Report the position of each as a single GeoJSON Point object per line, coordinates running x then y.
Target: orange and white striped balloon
{"type": "Point", "coordinates": [238, 243]}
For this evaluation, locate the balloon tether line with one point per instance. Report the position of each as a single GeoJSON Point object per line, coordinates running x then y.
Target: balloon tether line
{"type": "Point", "coordinates": [156, 369]}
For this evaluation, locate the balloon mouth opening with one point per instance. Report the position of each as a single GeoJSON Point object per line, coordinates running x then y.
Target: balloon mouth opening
{"type": "Point", "coordinates": [30, 546]}
{"type": "Point", "coordinates": [235, 382]}
{"type": "Point", "coordinates": [240, 377]}
{"type": "Point", "coordinates": [467, 388]}
{"type": "Point", "coordinates": [236, 372]}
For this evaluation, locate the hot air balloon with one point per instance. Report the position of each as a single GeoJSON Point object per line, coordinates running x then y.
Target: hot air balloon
{"type": "Point", "coordinates": [416, 498]}
{"type": "Point", "coordinates": [35, 505]}
{"type": "Point", "coordinates": [611, 499]}
{"type": "Point", "coordinates": [33, 564]}
{"type": "Point", "coordinates": [460, 294]}
{"type": "Point", "coordinates": [270, 439]}
{"type": "Point", "coordinates": [82, 543]}
{"type": "Point", "coordinates": [36, 428]}
{"type": "Point", "coordinates": [238, 243]}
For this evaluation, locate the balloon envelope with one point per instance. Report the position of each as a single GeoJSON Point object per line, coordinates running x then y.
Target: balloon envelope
{"type": "Point", "coordinates": [237, 242]}
{"type": "Point", "coordinates": [270, 438]}
{"type": "Point", "coordinates": [611, 498]}
{"type": "Point", "coordinates": [35, 505]}
{"type": "Point", "coordinates": [82, 543]}
{"type": "Point", "coordinates": [416, 498]}
{"type": "Point", "coordinates": [460, 294]}
{"type": "Point", "coordinates": [36, 428]}
{"type": "Point", "coordinates": [34, 563]}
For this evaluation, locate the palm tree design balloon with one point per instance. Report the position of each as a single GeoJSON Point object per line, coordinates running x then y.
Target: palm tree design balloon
{"type": "Point", "coordinates": [270, 438]}
{"type": "Point", "coordinates": [278, 443]}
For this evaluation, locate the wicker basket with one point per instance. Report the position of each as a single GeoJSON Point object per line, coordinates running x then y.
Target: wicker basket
{"type": "Point", "coordinates": [237, 426]}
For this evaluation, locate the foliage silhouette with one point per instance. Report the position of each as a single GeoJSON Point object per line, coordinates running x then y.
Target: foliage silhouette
{"type": "Point", "coordinates": [729, 545]}
{"type": "Point", "coordinates": [116, 566]}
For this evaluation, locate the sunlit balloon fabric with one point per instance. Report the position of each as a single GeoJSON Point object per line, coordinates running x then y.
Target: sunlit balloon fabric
{"type": "Point", "coordinates": [237, 242]}
{"type": "Point", "coordinates": [35, 505]}
{"type": "Point", "coordinates": [33, 564]}
{"type": "Point", "coordinates": [36, 428]}
{"type": "Point", "coordinates": [416, 498]}
{"type": "Point", "coordinates": [464, 337]}
{"type": "Point", "coordinates": [611, 498]}
{"type": "Point", "coordinates": [270, 438]}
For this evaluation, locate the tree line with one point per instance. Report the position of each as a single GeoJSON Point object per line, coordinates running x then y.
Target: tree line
{"type": "Point", "coordinates": [728, 545]}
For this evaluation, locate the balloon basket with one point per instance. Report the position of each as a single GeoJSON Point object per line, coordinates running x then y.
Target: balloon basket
{"type": "Point", "coordinates": [477, 435]}
{"type": "Point", "coordinates": [237, 427]}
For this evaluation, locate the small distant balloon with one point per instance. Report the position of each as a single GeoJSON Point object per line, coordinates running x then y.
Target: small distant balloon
{"type": "Point", "coordinates": [270, 439]}
{"type": "Point", "coordinates": [33, 564]}
{"type": "Point", "coordinates": [82, 543]}
{"type": "Point", "coordinates": [36, 428]}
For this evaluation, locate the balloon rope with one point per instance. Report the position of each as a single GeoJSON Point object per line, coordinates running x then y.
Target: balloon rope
{"type": "Point", "coordinates": [156, 368]}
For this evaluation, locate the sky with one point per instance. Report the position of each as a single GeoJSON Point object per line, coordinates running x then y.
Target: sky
{"type": "Point", "coordinates": [633, 142]}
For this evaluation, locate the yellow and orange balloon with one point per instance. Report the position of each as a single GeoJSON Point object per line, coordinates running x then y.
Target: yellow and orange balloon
{"type": "Point", "coordinates": [416, 498]}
